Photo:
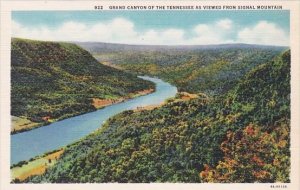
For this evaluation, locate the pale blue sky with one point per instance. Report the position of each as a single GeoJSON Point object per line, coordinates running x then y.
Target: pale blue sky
{"type": "Point", "coordinates": [140, 27]}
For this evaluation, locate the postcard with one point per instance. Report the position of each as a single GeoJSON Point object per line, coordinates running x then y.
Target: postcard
{"type": "Point", "coordinates": [152, 94]}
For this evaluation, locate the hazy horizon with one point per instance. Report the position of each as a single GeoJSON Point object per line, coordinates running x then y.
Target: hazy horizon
{"type": "Point", "coordinates": [166, 45]}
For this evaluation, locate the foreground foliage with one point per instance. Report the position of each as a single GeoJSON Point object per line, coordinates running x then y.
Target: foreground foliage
{"type": "Point", "coordinates": [242, 136]}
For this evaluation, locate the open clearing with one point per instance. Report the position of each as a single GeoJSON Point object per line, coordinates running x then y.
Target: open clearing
{"type": "Point", "coordinates": [35, 167]}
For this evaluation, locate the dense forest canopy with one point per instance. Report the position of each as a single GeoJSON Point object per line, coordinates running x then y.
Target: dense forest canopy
{"type": "Point", "coordinates": [212, 69]}
{"type": "Point", "coordinates": [58, 80]}
{"type": "Point", "coordinates": [242, 135]}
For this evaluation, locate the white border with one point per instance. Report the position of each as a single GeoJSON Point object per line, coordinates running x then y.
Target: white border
{"type": "Point", "coordinates": [5, 37]}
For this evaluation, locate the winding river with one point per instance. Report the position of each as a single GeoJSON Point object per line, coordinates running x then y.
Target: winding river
{"type": "Point", "coordinates": [29, 144]}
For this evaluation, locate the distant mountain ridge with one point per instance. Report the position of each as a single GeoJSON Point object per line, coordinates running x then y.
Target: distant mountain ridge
{"type": "Point", "coordinates": [95, 47]}
{"type": "Point", "coordinates": [212, 69]}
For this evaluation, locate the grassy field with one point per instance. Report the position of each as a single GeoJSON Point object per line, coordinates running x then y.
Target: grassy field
{"type": "Point", "coordinates": [22, 124]}
{"type": "Point", "coordinates": [35, 167]}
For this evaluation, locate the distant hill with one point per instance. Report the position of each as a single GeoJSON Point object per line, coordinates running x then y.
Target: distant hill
{"type": "Point", "coordinates": [100, 47]}
{"type": "Point", "coordinates": [242, 136]}
{"type": "Point", "coordinates": [52, 80]}
{"type": "Point", "coordinates": [213, 69]}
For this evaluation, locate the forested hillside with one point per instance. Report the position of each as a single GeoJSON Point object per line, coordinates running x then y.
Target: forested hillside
{"type": "Point", "coordinates": [240, 136]}
{"type": "Point", "coordinates": [213, 69]}
{"type": "Point", "coordinates": [58, 80]}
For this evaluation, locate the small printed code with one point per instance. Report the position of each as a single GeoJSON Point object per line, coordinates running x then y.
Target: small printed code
{"type": "Point", "coordinates": [278, 186]}
{"type": "Point", "coordinates": [97, 7]}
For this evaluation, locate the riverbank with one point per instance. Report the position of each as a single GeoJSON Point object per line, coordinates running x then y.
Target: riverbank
{"type": "Point", "coordinates": [101, 103]}
{"type": "Point", "coordinates": [22, 124]}
{"type": "Point", "coordinates": [62, 133]}
{"type": "Point", "coordinates": [180, 96]}
{"type": "Point", "coordinates": [38, 165]}
{"type": "Point", "coordinates": [35, 166]}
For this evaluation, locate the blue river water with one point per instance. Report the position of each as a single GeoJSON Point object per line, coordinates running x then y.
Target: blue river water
{"type": "Point", "coordinates": [29, 144]}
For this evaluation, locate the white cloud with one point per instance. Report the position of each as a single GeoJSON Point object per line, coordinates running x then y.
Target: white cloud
{"type": "Point", "coordinates": [116, 30]}
{"type": "Point", "coordinates": [202, 29]}
{"type": "Point", "coordinates": [263, 33]}
{"type": "Point", "coordinates": [214, 33]}
{"type": "Point", "coordinates": [120, 30]}
{"type": "Point", "coordinates": [225, 24]}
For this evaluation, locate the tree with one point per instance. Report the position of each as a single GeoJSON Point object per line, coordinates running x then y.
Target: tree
{"type": "Point", "coordinates": [251, 155]}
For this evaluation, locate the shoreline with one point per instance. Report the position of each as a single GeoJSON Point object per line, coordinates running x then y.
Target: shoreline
{"type": "Point", "coordinates": [181, 96]}
{"type": "Point", "coordinates": [23, 166]}
{"type": "Point", "coordinates": [34, 166]}
{"type": "Point", "coordinates": [109, 103]}
{"type": "Point", "coordinates": [39, 164]}
{"type": "Point", "coordinates": [102, 103]}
